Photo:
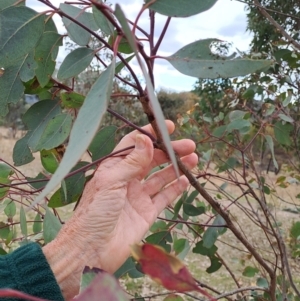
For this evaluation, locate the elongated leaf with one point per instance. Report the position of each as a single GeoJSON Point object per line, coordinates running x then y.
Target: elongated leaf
{"type": "Point", "coordinates": [181, 8]}
{"type": "Point", "coordinates": [70, 190]}
{"type": "Point", "coordinates": [197, 60]}
{"type": "Point", "coordinates": [129, 267]}
{"type": "Point", "coordinates": [56, 132]}
{"type": "Point", "coordinates": [84, 128]}
{"type": "Point", "coordinates": [270, 142]}
{"type": "Point", "coordinates": [75, 62]}
{"type": "Point", "coordinates": [103, 143]}
{"type": "Point", "coordinates": [77, 33]}
{"type": "Point", "coordinates": [120, 65]}
{"type": "Point", "coordinates": [10, 209]}
{"type": "Point", "coordinates": [23, 222]}
{"type": "Point", "coordinates": [45, 54]}
{"type": "Point", "coordinates": [286, 118]}
{"type": "Point", "coordinates": [37, 225]}
{"type": "Point", "coordinates": [7, 3]}
{"type": "Point", "coordinates": [211, 234]}
{"type": "Point", "coordinates": [51, 226]}
{"type": "Point", "coordinates": [104, 24]}
{"type": "Point", "coordinates": [21, 29]}
{"type": "Point", "coordinates": [157, 111]}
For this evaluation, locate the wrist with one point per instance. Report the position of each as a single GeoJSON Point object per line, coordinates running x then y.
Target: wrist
{"type": "Point", "coordinates": [67, 261]}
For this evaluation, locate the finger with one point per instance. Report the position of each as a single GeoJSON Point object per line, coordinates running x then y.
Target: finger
{"type": "Point", "coordinates": [134, 164]}
{"type": "Point", "coordinates": [170, 194]}
{"type": "Point", "coordinates": [129, 139]}
{"type": "Point", "coordinates": [160, 179]}
{"type": "Point", "coordinates": [182, 147]}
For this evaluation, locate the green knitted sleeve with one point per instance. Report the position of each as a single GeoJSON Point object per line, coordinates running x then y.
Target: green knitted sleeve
{"type": "Point", "coordinates": [27, 270]}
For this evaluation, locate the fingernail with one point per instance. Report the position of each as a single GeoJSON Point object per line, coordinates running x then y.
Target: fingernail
{"type": "Point", "coordinates": [140, 142]}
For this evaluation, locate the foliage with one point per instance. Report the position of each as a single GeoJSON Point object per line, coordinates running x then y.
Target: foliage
{"type": "Point", "coordinates": [227, 123]}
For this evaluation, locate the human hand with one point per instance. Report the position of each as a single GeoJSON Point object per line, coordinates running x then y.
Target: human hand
{"type": "Point", "coordinates": [118, 207]}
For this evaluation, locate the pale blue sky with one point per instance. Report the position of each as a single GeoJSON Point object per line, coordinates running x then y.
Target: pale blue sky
{"type": "Point", "coordinates": [226, 20]}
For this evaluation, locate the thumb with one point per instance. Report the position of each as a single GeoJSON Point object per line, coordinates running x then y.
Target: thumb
{"type": "Point", "coordinates": [136, 164]}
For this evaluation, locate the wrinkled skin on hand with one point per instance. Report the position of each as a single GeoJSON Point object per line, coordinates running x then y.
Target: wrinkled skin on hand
{"type": "Point", "coordinates": [118, 206]}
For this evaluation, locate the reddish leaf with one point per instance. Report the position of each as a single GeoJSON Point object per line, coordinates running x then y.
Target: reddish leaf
{"type": "Point", "coordinates": [165, 269]}
{"type": "Point", "coordinates": [10, 293]}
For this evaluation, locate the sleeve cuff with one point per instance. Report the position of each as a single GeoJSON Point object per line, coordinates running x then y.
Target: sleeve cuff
{"type": "Point", "coordinates": [27, 270]}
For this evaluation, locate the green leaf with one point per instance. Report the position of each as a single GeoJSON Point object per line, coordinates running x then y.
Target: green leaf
{"type": "Point", "coordinates": [78, 34]}
{"type": "Point", "coordinates": [49, 160]}
{"type": "Point", "coordinates": [38, 185]}
{"type": "Point", "coordinates": [75, 62]}
{"type": "Point", "coordinates": [7, 3]}
{"type": "Point", "coordinates": [37, 225]}
{"type": "Point", "coordinates": [181, 8]}
{"type": "Point", "coordinates": [2, 251]}
{"type": "Point", "coordinates": [295, 230]}
{"type": "Point", "coordinates": [4, 190]}
{"type": "Point", "coordinates": [11, 86]}
{"type": "Point", "coordinates": [56, 132]}
{"type": "Point", "coordinates": [157, 111]}
{"type": "Point", "coordinates": [4, 230]}
{"type": "Point", "coordinates": [250, 271]}
{"type": "Point", "coordinates": [230, 163]}
{"type": "Point", "coordinates": [123, 47]}
{"type": "Point", "coordinates": [173, 297]}
{"type": "Point", "coordinates": [23, 222]}
{"type": "Point", "coordinates": [120, 65]}
{"type": "Point", "coordinates": [271, 147]}
{"type": "Point", "coordinates": [219, 131]}
{"type": "Point", "coordinates": [215, 264]}
{"type": "Point", "coordinates": [236, 115]}
{"type": "Point", "coordinates": [211, 234]}
{"type": "Point", "coordinates": [71, 189]}
{"type": "Point", "coordinates": [36, 119]}
{"type": "Point", "coordinates": [10, 209]}
{"type": "Point", "coordinates": [191, 197]}
{"type": "Point", "coordinates": [21, 29]}
{"type": "Point", "coordinates": [286, 118]}
{"type": "Point", "coordinates": [197, 60]}
{"type": "Point", "coordinates": [158, 226]}
{"type": "Point", "coordinates": [5, 170]}
{"type": "Point", "coordinates": [103, 143]}
{"type": "Point", "coordinates": [45, 54]}
{"type": "Point", "coordinates": [201, 249]}
{"type": "Point", "coordinates": [84, 128]}
{"type": "Point", "coordinates": [161, 238]}
{"type": "Point", "coordinates": [128, 267]}
{"type": "Point", "coordinates": [282, 133]}
{"type": "Point", "coordinates": [51, 226]}
{"type": "Point", "coordinates": [72, 100]}
{"type": "Point", "coordinates": [262, 282]}
{"type": "Point", "coordinates": [191, 210]}
{"type": "Point", "coordinates": [104, 24]}
{"type": "Point", "coordinates": [238, 124]}
{"type": "Point", "coordinates": [179, 245]}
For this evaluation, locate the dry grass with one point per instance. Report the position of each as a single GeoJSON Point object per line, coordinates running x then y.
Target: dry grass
{"type": "Point", "coordinates": [230, 249]}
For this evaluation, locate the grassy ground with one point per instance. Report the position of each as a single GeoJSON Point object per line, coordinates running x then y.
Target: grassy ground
{"type": "Point", "coordinates": [230, 250]}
